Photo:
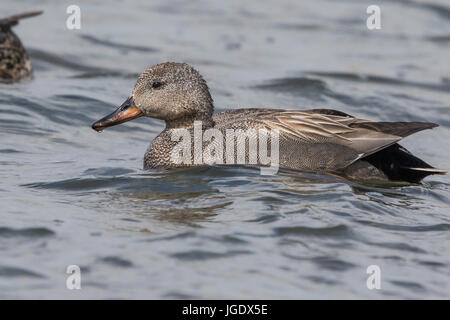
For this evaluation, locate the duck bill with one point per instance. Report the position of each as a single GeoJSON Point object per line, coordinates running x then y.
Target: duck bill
{"type": "Point", "coordinates": [126, 112]}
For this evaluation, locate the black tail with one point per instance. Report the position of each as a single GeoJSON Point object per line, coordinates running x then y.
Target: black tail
{"type": "Point", "coordinates": [394, 161]}
{"type": "Point", "coordinates": [399, 164]}
{"type": "Point", "coordinates": [13, 20]}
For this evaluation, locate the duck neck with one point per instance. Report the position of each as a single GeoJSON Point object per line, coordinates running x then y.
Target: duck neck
{"type": "Point", "coordinates": [188, 120]}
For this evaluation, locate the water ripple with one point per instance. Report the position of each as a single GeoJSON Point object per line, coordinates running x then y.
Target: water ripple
{"type": "Point", "coordinates": [6, 232]}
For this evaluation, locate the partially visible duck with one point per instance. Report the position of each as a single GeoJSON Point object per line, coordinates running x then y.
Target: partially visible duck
{"type": "Point", "coordinates": [14, 61]}
{"type": "Point", "coordinates": [318, 140]}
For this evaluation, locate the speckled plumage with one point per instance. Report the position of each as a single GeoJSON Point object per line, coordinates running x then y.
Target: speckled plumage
{"type": "Point", "coordinates": [318, 140]}
{"type": "Point", "coordinates": [14, 62]}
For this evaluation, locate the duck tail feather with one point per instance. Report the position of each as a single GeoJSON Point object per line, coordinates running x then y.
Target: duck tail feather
{"type": "Point", "coordinates": [399, 164]}
{"type": "Point", "coordinates": [401, 129]}
{"type": "Point", "coordinates": [13, 20]}
{"type": "Point", "coordinates": [430, 170]}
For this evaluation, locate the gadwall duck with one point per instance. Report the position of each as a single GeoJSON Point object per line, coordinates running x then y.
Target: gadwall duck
{"type": "Point", "coordinates": [14, 61]}
{"type": "Point", "coordinates": [318, 140]}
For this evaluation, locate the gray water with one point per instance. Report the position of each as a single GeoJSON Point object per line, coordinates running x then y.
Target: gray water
{"type": "Point", "coordinates": [71, 196]}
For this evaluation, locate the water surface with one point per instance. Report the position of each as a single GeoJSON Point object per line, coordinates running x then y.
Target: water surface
{"type": "Point", "coordinates": [70, 196]}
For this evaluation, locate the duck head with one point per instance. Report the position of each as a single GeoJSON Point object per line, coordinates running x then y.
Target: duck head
{"type": "Point", "coordinates": [174, 92]}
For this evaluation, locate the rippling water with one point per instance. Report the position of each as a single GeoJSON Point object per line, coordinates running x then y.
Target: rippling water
{"type": "Point", "coordinates": [71, 196]}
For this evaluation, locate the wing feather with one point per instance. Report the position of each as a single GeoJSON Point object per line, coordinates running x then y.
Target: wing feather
{"type": "Point", "coordinates": [319, 128]}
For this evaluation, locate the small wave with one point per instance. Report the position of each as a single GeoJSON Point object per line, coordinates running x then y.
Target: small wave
{"type": "Point", "coordinates": [179, 296]}
{"type": "Point", "coordinates": [139, 186]}
{"type": "Point", "coordinates": [325, 262]}
{"type": "Point", "coordinates": [322, 280]}
{"type": "Point", "coordinates": [207, 255]}
{"type": "Point", "coordinates": [40, 56]}
{"type": "Point", "coordinates": [6, 232]}
{"type": "Point", "coordinates": [410, 285]}
{"type": "Point", "coordinates": [14, 272]}
{"type": "Point", "coordinates": [333, 231]}
{"type": "Point", "coordinates": [427, 228]}
{"type": "Point", "coordinates": [117, 262]}
{"type": "Point", "coordinates": [307, 87]}
{"type": "Point", "coordinates": [116, 45]}
{"type": "Point", "coordinates": [179, 236]}
{"type": "Point", "coordinates": [331, 263]}
{"type": "Point", "coordinates": [107, 171]}
{"type": "Point", "coordinates": [397, 246]}
{"type": "Point", "coordinates": [380, 80]}
{"type": "Point", "coordinates": [315, 90]}
{"type": "Point", "coordinates": [444, 39]}
{"type": "Point", "coordinates": [266, 218]}
{"type": "Point", "coordinates": [300, 26]}
{"type": "Point", "coordinates": [9, 151]}
{"type": "Point", "coordinates": [439, 9]}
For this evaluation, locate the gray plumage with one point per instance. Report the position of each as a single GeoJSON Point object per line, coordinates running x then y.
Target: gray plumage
{"type": "Point", "coordinates": [318, 140]}
{"type": "Point", "coordinates": [14, 62]}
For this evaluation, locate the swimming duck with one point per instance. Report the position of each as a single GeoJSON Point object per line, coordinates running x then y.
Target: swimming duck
{"type": "Point", "coordinates": [14, 61]}
{"type": "Point", "coordinates": [317, 140]}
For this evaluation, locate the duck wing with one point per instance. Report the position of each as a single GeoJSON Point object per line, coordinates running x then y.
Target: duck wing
{"type": "Point", "coordinates": [320, 128]}
{"type": "Point", "coordinates": [346, 139]}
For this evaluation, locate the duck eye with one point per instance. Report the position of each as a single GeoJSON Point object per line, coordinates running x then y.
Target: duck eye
{"type": "Point", "coordinates": [156, 84]}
